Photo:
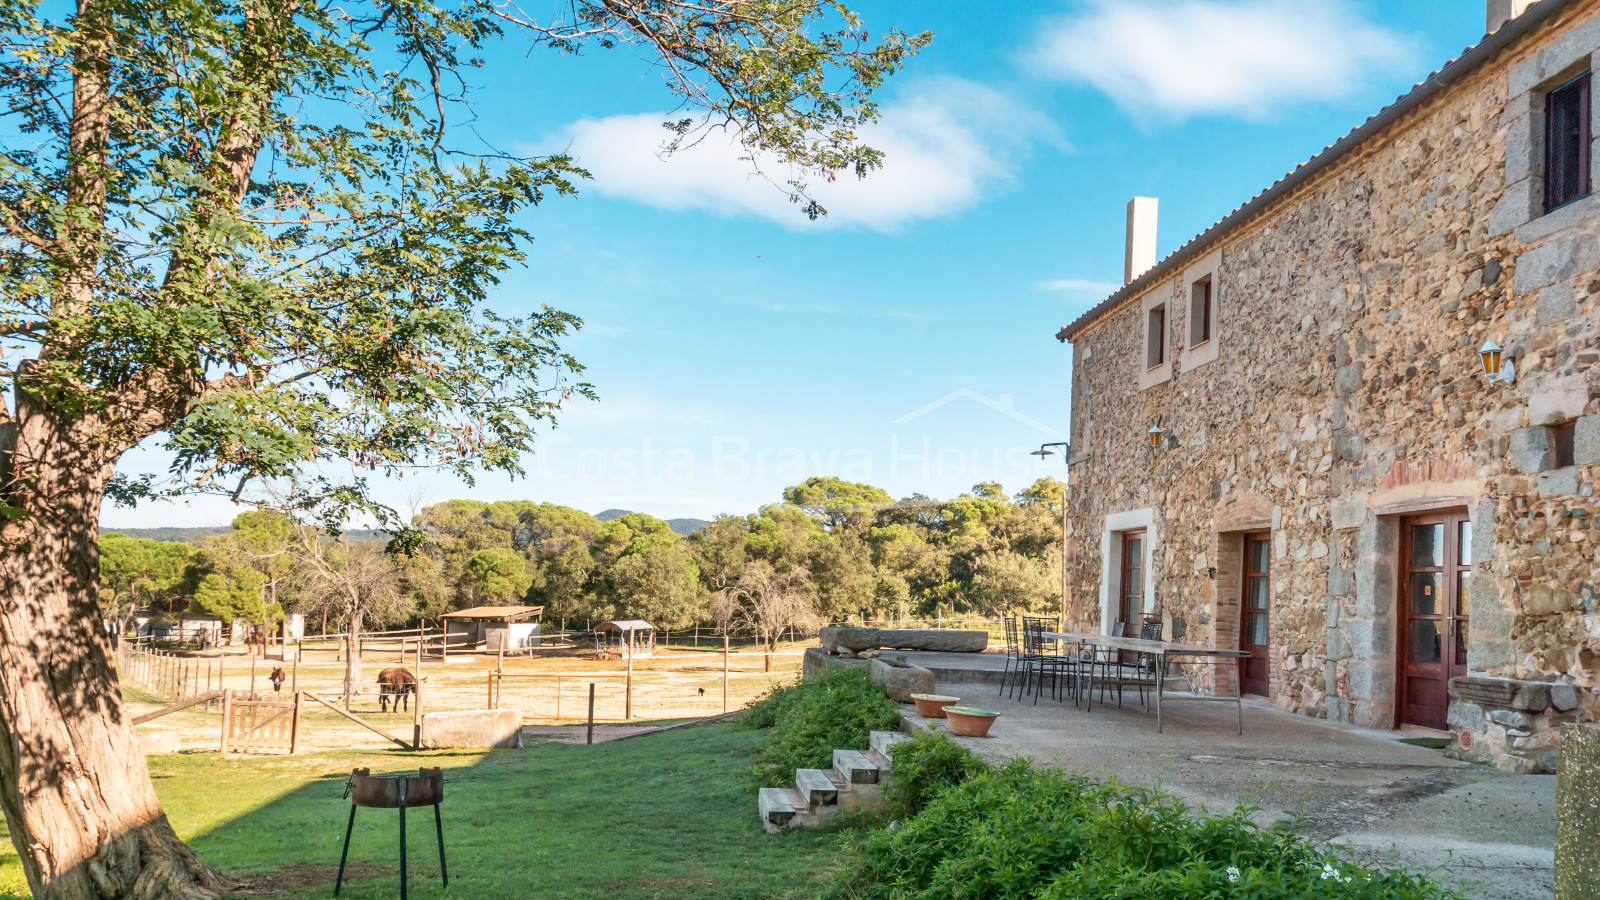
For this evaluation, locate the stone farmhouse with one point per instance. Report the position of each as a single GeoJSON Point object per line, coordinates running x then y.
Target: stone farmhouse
{"type": "Point", "coordinates": [1354, 427]}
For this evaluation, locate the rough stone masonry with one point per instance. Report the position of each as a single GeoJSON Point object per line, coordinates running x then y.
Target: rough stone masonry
{"type": "Point", "coordinates": [1339, 390]}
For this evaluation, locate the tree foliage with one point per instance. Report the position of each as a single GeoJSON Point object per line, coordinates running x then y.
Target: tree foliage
{"type": "Point", "coordinates": [137, 572]}
{"type": "Point", "coordinates": [659, 584]}
{"type": "Point", "coordinates": [235, 595]}
{"type": "Point", "coordinates": [498, 576]}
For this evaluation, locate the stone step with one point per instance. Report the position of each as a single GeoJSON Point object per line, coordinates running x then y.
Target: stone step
{"type": "Point", "coordinates": [840, 783]}
{"type": "Point", "coordinates": [816, 787]}
{"type": "Point", "coordinates": [855, 767]}
{"type": "Point", "coordinates": [884, 741]}
{"type": "Point", "coordinates": [775, 806]}
{"type": "Point", "coordinates": [883, 763]}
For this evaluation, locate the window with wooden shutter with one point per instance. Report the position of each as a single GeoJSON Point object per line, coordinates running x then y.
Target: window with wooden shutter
{"type": "Point", "coordinates": [1566, 145]}
{"type": "Point", "coordinates": [1155, 341]}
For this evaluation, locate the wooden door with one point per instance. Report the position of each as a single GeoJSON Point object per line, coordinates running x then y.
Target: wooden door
{"type": "Point", "coordinates": [1436, 556]}
{"type": "Point", "coordinates": [1132, 596]}
{"type": "Point", "coordinates": [1255, 620]}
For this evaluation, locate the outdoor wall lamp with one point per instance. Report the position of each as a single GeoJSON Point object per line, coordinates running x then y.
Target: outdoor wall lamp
{"type": "Point", "coordinates": [1495, 364]}
{"type": "Point", "coordinates": [1155, 434]}
{"type": "Point", "coordinates": [1044, 450]}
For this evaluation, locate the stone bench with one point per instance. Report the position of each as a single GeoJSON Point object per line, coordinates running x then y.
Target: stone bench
{"type": "Point", "coordinates": [940, 640]}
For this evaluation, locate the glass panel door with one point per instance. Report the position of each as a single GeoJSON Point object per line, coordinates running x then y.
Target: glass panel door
{"type": "Point", "coordinates": [1437, 555]}
{"type": "Point", "coordinates": [1132, 596]}
{"type": "Point", "coordinates": [1256, 614]}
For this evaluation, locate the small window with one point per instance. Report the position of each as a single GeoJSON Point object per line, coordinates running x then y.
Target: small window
{"type": "Point", "coordinates": [1562, 444]}
{"type": "Point", "coordinates": [1566, 143]}
{"type": "Point", "coordinates": [1155, 339]}
{"type": "Point", "coordinates": [1200, 312]}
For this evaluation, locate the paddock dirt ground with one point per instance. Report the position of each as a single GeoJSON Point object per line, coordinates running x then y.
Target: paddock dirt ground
{"type": "Point", "coordinates": [550, 688]}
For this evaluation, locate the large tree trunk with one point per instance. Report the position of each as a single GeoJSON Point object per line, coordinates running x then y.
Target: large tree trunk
{"type": "Point", "coordinates": [352, 658]}
{"type": "Point", "coordinates": [74, 785]}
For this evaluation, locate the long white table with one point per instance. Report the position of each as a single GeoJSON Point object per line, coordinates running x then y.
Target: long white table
{"type": "Point", "coordinates": [1162, 650]}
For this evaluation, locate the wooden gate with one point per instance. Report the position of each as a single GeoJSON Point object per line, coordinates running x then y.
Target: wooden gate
{"type": "Point", "coordinates": [261, 723]}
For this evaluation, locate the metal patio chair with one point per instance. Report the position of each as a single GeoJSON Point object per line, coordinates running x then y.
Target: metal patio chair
{"type": "Point", "coordinates": [1044, 657]}
{"type": "Point", "coordinates": [1016, 670]}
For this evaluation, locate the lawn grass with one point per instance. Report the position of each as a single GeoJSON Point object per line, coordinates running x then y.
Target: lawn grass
{"type": "Point", "coordinates": [668, 815]}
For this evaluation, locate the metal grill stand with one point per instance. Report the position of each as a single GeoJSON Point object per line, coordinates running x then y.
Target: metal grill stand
{"type": "Point", "coordinates": [426, 788]}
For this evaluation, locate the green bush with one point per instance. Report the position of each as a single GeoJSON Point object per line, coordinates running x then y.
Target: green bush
{"type": "Point", "coordinates": [763, 712]}
{"type": "Point", "coordinates": [1017, 833]}
{"type": "Point", "coordinates": [926, 766]}
{"type": "Point", "coordinates": [832, 710]}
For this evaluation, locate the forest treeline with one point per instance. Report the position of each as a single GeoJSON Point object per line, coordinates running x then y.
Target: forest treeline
{"type": "Point", "coordinates": [830, 550]}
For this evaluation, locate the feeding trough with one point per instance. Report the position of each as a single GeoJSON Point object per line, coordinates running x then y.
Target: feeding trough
{"type": "Point", "coordinates": [968, 722]}
{"type": "Point", "coordinates": [932, 706]}
{"type": "Point", "coordinates": [426, 788]}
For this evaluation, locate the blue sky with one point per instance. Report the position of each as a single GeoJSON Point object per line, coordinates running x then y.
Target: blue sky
{"type": "Point", "coordinates": [906, 341]}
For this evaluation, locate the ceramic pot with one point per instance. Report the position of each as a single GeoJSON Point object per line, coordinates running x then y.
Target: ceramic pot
{"type": "Point", "coordinates": [931, 706]}
{"type": "Point", "coordinates": [968, 722]}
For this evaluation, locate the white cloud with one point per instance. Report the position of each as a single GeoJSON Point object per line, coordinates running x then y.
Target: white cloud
{"type": "Point", "coordinates": [1077, 284]}
{"type": "Point", "coordinates": [946, 148]}
{"type": "Point", "coordinates": [1232, 57]}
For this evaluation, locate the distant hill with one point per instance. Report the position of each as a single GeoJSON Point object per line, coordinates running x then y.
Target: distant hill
{"type": "Point", "coordinates": [189, 534]}
{"type": "Point", "coordinates": [168, 534]}
{"type": "Point", "coordinates": [679, 526]}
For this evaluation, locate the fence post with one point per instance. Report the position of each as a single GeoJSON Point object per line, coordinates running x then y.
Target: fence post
{"type": "Point", "coordinates": [590, 739]}
{"type": "Point", "coordinates": [416, 709]}
{"type": "Point", "coordinates": [628, 714]}
{"type": "Point", "coordinates": [490, 681]}
{"type": "Point", "coordinates": [227, 719]}
{"type": "Point", "coordinates": [294, 670]}
{"type": "Point", "coordinates": [724, 672]}
{"type": "Point", "coordinates": [252, 676]}
{"type": "Point", "coordinates": [294, 725]}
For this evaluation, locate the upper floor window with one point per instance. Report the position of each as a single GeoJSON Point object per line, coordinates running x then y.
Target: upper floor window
{"type": "Point", "coordinates": [1155, 339]}
{"type": "Point", "coordinates": [1200, 312]}
{"type": "Point", "coordinates": [1566, 144]}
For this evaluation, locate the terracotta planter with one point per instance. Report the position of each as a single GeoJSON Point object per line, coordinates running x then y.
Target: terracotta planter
{"type": "Point", "coordinates": [968, 722]}
{"type": "Point", "coordinates": [931, 706]}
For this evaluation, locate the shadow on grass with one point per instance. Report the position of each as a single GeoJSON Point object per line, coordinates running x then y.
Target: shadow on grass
{"type": "Point", "coordinates": [663, 816]}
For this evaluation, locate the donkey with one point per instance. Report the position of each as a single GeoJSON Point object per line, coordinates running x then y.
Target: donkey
{"type": "Point", "coordinates": [398, 685]}
{"type": "Point", "coordinates": [276, 678]}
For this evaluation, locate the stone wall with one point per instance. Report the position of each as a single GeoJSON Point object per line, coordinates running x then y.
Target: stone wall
{"type": "Point", "coordinates": [1347, 390]}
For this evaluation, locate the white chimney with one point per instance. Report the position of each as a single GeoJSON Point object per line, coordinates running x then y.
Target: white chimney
{"type": "Point", "coordinates": [1503, 11]}
{"type": "Point", "coordinates": [1141, 247]}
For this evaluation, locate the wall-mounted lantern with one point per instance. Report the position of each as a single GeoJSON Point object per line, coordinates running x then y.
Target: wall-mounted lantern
{"type": "Point", "coordinates": [1155, 434]}
{"type": "Point", "coordinates": [1495, 364]}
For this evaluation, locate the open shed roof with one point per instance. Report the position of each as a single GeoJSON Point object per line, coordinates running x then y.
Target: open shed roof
{"type": "Point", "coordinates": [625, 625]}
{"type": "Point", "coordinates": [496, 612]}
